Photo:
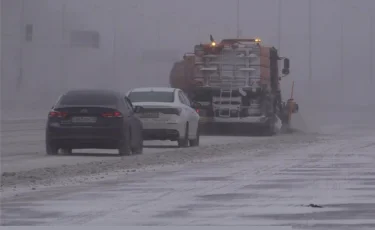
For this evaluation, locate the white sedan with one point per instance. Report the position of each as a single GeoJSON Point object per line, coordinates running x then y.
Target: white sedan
{"type": "Point", "coordinates": [166, 115]}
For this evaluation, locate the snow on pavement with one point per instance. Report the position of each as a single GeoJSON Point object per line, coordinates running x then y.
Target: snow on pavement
{"type": "Point", "coordinates": [24, 164]}
{"type": "Point", "coordinates": [23, 148]}
{"type": "Point", "coordinates": [263, 182]}
{"type": "Point", "coordinates": [92, 168]}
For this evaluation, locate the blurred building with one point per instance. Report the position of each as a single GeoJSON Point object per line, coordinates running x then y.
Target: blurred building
{"type": "Point", "coordinates": [30, 41]}
{"type": "Point", "coordinates": [50, 46]}
{"type": "Point", "coordinates": [53, 45]}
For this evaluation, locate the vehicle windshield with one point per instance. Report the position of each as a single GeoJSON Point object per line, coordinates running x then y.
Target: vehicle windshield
{"type": "Point", "coordinates": [151, 96]}
{"type": "Point", "coordinates": [91, 99]}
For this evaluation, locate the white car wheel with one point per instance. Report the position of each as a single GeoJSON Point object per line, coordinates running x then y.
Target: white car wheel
{"type": "Point", "coordinates": [195, 141]}
{"type": "Point", "coordinates": [184, 142]}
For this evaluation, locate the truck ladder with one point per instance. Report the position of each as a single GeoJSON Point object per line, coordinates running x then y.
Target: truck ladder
{"type": "Point", "coordinates": [222, 92]}
{"type": "Point", "coordinates": [225, 90]}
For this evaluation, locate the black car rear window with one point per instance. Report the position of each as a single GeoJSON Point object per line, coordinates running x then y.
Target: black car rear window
{"type": "Point", "coordinates": [151, 96]}
{"type": "Point", "coordinates": [85, 98]}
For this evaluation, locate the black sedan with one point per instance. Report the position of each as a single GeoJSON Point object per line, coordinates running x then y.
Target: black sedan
{"type": "Point", "coordinates": [99, 119]}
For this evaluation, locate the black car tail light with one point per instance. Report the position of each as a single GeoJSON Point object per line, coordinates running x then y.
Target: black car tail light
{"type": "Point", "coordinates": [59, 114]}
{"type": "Point", "coordinates": [112, 114]}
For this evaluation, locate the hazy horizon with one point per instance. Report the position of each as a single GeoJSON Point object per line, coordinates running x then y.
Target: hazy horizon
{"type": "Point", "coordinates": [148, 36]}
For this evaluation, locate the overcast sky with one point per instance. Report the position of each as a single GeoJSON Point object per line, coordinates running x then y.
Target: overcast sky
{"type": "Point", "coordinates": [162, 30]}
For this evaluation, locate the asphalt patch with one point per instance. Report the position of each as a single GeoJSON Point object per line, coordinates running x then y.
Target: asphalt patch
{"type": "Point", "coordinates": [174, 214]}
{"type": "Point", "coordinates": [352, 165]}
{"type": "Point", "coordinates": [22, 223]}
{"type": "Point", "coordinates": [209, 179]}
{"type": "Point", "coordinates": [205, 206]}
{"type": "Point", "coordinates": [292, 181]}
{"type": "Point", "coordinates": [319, 170]}
{"type": "Point", "coordinates": [91, 196]}
{"type": "Point", "coordinates": [273, 186]}
{"type": "Point", "coordinates": [228, 196]}
{"type": "Point", "coordinates": [369, 182]}
{"type": "Point", "coordinates": [141, 190]}
{"type": "Point", "coordinates": [12, 214]}
{"type": "Point", "coordinates": [362, 189]}
{"type": "Point", "coordinates": [367, 174]}
{"type": "Point", "coordinates": [152, 223]}
{"type": "Point", "coordinates": [347, 211]}
{"type": "Point", "coordinates": [335, 226]}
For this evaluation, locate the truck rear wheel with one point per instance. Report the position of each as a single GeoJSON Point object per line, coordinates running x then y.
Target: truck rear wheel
{"type": "Point", "coordinates": [269, 128]}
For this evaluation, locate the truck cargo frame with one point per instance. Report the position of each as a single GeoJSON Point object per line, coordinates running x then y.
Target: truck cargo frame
{"type": "Point", "coordinates": [236, 82]}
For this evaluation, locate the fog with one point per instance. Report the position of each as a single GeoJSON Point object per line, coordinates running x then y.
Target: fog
{"type": "Point", "coordinates": [140, 39]}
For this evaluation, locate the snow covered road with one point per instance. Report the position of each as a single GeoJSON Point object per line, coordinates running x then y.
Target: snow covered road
{"type": "Point", "coordinates": [23, 148]}
{"type": "Point", "coordinates": [241, 181]}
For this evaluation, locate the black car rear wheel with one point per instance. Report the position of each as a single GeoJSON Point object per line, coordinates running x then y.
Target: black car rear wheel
{"type": "Point", "coordinates": [125, 145]}
{"type": "Point", "coordinates": [67, 151]}
{"type": "Point", "coordinates": [51, 148]}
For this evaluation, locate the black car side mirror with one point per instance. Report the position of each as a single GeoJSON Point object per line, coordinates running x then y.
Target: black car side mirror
{"type": "Point", "coordinates": [138, 109]}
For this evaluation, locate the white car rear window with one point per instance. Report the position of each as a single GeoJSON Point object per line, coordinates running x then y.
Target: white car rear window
{"type": "Point", "coordinates": [151, 96]}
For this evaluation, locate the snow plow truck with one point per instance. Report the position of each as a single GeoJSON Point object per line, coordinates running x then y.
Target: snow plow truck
{"type": "Point", "coordinates": [235, 86]}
